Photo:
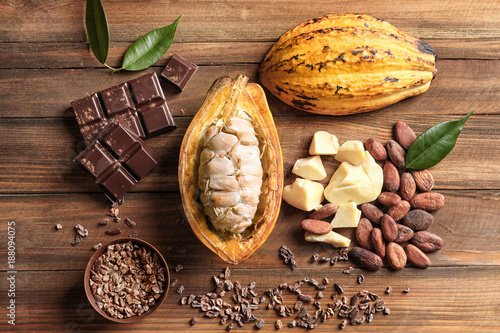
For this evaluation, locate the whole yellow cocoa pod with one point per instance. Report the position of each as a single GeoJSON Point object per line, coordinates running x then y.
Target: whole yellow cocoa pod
{"type": "Point", "coordinates": [345, 64]}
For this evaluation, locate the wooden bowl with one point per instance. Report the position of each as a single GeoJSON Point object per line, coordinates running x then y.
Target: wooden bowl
{"type": "Point", "coordinates": [135, 318]}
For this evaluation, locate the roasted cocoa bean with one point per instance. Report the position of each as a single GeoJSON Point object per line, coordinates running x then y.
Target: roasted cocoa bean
{"type": "Point", "coordinates": [372, 212]}
{"type": "Point", "coordinates": [423, 180]}
{"type": "Point", "coordinates": [407, 186]}
{"type": "Point", "coordinates": [418, 220]}
{"type": "Point", "coordinates": [363, 233]}
{"type": "Point", "coordinates": [389, 199]}
{"type": "Point", "coordinates": [416, 257]}
{"type": "Point", "coordinates": [366, 258]}
{"type": "Point", "coordinates": [316, 226]}
{"type": "Point", "coordinates": [403, 134]}
{"type": "Point", "coordinates": [428, 201]}
{"type": "Point", "coordinates": [396, 153]}
{"type": "Point", "coordinates": [396, 256]}
{"type": "Point", "coordinates": [391, 177]}
{"type": "Point", "coordinates": [378, 242]}
{"type": "Point", "coordinates": [404, 234]}
{"type": "Point", "coordinates": [399, 211]}
{"type": "Point", "coordinates": [427, 241]}
{"type": "Point", "coordinates": [376, 149]}
{"type": "Point", "coordinates": [324, 211]}
{"type": "Point", "coordinates": [389, 228]}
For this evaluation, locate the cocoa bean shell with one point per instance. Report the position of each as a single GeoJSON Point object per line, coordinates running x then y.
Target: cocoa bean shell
{"type": "Point", "coordinates": [378, 242]}
{"type": "Point", "coordinates": [376, 149]}
{"type": "Point", "coordinates": [391, 177]}
{"type": "Point", "coordinates": [418, 220]}
{"type": "Point", "coordinates": [428, 201]}
{"type": "Point", "coordinates": [399, 211]}
{"type": "Point", "coordinates": [389, 228]}
{"type": "Point", "coordinates": [404, 234]}
{"type": "Point", "coordinates": [427, 241]}
{"type": "Point", "coordinates": [372, 212]}
{"type": "Point", "coordinates": [389, 199]}
{"type": "Point", "coordinates": [396, 153]}
{"type": "Point", "coordinates": [416, 257]}
{"type": "Point", "coordinates": [396, 256]}
{"type": "Point", "coordinates": [423, 180]}
{"type": "Point", "coordinates": [363, 233]}
{"type": "Point", "coordinates": [324, 211]}
{"type": "Point", "coordinates": [366, 258]}
{"type": "Point", "coordinates": [316, 226]}
{"type": "Point", "coordinates": [407, 186]}
{"type": "Point", "coordinates": [403, 134]}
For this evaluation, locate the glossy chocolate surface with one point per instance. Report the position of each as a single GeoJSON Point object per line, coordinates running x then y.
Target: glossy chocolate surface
{"type": "Point", "coordinates": [179, 71]}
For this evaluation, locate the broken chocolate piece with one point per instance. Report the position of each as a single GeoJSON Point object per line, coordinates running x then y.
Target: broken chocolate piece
{"type": "Point", "coordinates": [179, 71]}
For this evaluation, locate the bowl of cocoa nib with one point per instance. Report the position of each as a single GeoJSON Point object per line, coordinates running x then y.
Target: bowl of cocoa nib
{"type": "Point", "coordinates": [126, 280]}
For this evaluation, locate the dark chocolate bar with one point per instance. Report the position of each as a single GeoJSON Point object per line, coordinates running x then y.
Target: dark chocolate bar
{"type": "Point", "coordinates": [179, 71]}
{"type": "Point", "coordinates": [140, 102]}
{"type": "Point", "coordinates": [117, 159]}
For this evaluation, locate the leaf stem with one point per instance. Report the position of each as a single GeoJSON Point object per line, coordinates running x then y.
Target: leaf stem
{"type": "Point", "coordinates": [113, 69]}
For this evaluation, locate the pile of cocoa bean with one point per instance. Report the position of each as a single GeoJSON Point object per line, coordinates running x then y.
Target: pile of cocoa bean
{"type": "Point", "coordinates": [395, 227]}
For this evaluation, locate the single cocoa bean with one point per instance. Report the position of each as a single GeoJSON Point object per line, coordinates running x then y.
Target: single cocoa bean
{"type": "Point", "coordinates": [389, 228]}
{"type": "Point", "coordinates": [403, 134]}
{"type": "Point", "coordinates": [316, 226]}
{"type": "Point", "coordinates": [396, 255]}
{"type": "Point", "coordinates": [399, 211]}
{"type": "Point", "coordinates": [376, 149]}
{"type": "Point", "coordinates": [418, 220]}
{"type": "Point", "coordinates": [363, 233]}
{"type": "Point", "coordinates": [428, 201]}
{"type": "Point", "coordinates": [404, 234]}
{"type": "Point", "coordinates": [366, 258]}
{"type": "Point", "coordinates": [396, 153]}
{"type": "Point", "coordinates": [416, 257]}
{"type": "Point", "coordinates": [389, 199]}
{"type": "Point", "coordinates": [407, 186]}
{"type": "Point", "coordinates": [391, 177]}
{"type": "Point", "coordinates": [324, 211]}
{"type": "Point", "coordinates": [423, 180]}
{"type": "Point", "coordinates": [427, 241]}
{"type": "Point", "coordinates": [378, 242]}
{"type": "Point", "coordinates": [372, 212]}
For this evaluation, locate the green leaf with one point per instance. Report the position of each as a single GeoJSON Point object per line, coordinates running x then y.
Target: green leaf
{"type": "Point", "coordinates": [97, 29]}
{"type": "Point", "coordinates": [434, 144]}
{"type": "Point", "coordinates": [148, 49]}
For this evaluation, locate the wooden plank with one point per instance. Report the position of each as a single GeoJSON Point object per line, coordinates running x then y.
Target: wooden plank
{"type": "Point", "coordinates": [39, 156]}
{"type": "Point", "coordinates": [465, 223]}
{"type": "Point", "coordinates": [441, 299]}
{"type": "Point", "coordinates": [78, 55]}
{"type": "Point", "coordinates": [58, 21]}
{"type": "Point", "coordinates": [48, 92]}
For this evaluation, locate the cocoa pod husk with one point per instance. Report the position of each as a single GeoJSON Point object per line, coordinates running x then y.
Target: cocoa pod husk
{"type": "Point", "coordinates": [416, 257]}
{"type": "Point", "coordinates": [418, 220]}
{"type": "Point", "coordinates": [324, 211]}
{"type": "Point", "coordinates": [376, 149]}
{"type": "Point", "coordinates": [403, 134]}
{"type": "Point", "coordinates": [389, 199]}
{"type": "Point", "coordinates": [428, 201]}
{"type": "Point", "coordinates": [407, 186]}
{"type": "Point", "coordinates": [396, 256]}
{"type": "Point", "coordinates": [363, 233]}
{"type": "Point", "coordinates": [404, 234]}
{"type": "Point", "coordinates": [423, 180]}
{"type": "Point", "coordinates": [427, 241]}
{"type": "Point", "coordinates": [378, 242]}
{"type": "Point", "coordinates": [396, 153]}
{"type": "Point", "coordinates": [372, 212]}
{"type": "Point", "coordinates": [366, 258]}
{"type": "Point", "coordinates": [316, 226]}
{"type": "Point", "coordinates": [391, 177]}
{"type": "Point", "coordinates": [389, 228]}
{"type": "Point", "coordinates": [399, 211]}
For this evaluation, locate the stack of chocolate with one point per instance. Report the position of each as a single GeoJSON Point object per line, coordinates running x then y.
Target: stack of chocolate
{"type": "Point", "coordinates": [115, 121]}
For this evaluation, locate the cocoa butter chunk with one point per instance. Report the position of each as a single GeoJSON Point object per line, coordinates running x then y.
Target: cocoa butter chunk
{"type": "Point", "coordinates": [324, 143]}
{"type": "Point", "coordinates": [310, 168]}
{"type": "Point", "coordinates": [304, 194]}
{"type": "Point", "coordinates": [347, 216]}
{"type": "Point", "coordinates": [332, 238]}
{"type": "Point", "coordinates": [351, 151]}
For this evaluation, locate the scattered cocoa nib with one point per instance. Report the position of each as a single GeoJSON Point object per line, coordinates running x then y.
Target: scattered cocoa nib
{"type": "Point", "coordinates": [113, 231]}
{"type": "Point", "coordinates": [104, 222]}
{"type": "Point", "coordinates": [288, 257]}
{"type": "Point", "coordinates": [388, 290]}
{"type": "Point", "coordinates": [97, 246]}
{"type": "Point", "coordinates": [117, 219]}
{"type": "Point", "coordinates": [113, 211]}
{"type": "Point", "coordinates": [135, 234]}
{"type": "Point", "coordinates": [278, 324]}
{"type": "Point", "coordinates": [180, 290]}
{"type": "Point", "coordinates": [130, 223]}
{"type": "Point", "coordinates": [58, 226]}
{"type": "Point", "coordinates": [127, 280]}
{"type": "Point", "coordinates": [179, 268]}
{"type": "Point", "coordinates": [360, 279]}
{"type": "Point", "coordinates": [259, 324]}
{"type": "Point", "coordinates": [193, 321]}
{"type": "Point", "coordinates": [349, 271]}
{"type": "Point", "coordinates": [406, 291]}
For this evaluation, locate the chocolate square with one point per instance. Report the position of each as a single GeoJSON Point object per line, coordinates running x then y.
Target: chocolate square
{"type": "Point", "coordinates": [179, 71]}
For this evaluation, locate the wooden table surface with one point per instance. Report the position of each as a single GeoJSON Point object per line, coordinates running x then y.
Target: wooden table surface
{"type": "Point", "coordinates": [45, 63]}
